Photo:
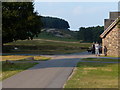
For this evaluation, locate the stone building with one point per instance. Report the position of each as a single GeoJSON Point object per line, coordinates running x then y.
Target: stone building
{"type": "Point", "coordinates": [111, 35]}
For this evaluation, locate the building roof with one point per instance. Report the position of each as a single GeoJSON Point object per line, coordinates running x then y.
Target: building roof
{"type": "Point", "coordinates": [110, 27]}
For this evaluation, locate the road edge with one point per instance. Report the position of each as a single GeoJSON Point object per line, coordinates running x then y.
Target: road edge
{"type": "Point", "coordinates": [70, 75]}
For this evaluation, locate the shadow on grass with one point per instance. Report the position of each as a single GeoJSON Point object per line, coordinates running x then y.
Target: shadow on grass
{"type": "Point", "coordinates": [68, 62]}
{"type": "Point", "coordinates": [9, 69]}
{"type": "Point", "coordinates": [64, 62]}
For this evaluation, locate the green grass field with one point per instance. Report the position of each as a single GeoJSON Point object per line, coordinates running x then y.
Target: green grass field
{"type": "Point", "coordinates": [47, 36]}
{"type": "Point", "coordinates": [94, 74]}
{"type": "Point", "coordinates": [42, 46]}
{"type": "Point", "coordinates": [50, 36]}
{"type": "Point", "coordinates": [9, 70]}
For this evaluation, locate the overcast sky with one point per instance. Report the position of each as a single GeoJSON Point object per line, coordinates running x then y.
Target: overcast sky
{"type": "Point", "coordinates": [78, 14]}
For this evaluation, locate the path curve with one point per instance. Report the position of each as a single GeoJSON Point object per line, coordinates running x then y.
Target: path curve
{"type": "Point", "coordinates": [47, 74]}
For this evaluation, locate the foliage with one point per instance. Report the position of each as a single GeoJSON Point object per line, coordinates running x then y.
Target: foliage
{"type": "Point", "coordinates": [52, 22]}
{"type": "Point", "coordinates": [90, 34]}
{"type": "Point", "coordinates": [19, 21]}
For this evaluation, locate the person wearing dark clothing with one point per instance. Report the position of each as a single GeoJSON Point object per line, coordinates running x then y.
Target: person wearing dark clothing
{"type": "Point", "coordinates": [105, 50]}
{"type": "Point", "coordinates": [100, 48]}
{"type": "Point", "coordinates": [93, 48]}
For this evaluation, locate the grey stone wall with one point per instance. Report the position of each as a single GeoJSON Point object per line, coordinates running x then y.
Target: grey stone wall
{"type": "Point", "coordinates": [111, 41]}
{"type": "Point", "coordinates": [107, 23]}
{"type": "Point", "coordinates": [113, 16]}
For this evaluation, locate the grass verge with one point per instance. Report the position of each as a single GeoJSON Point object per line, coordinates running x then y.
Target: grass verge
{"type": "Point", "coordinates": [94, 75]}
{"type": "Point", "coordinates": [9, 70]}
{"type": "Point", "coordinates": [23, 58]}
{"type": "Point", "coordinates": [110, 56]}
{"type": "Point", "coordinates": [100, 59]}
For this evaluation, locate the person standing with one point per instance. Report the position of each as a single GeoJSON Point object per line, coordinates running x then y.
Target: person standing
{"type": "Point", "coordinates": [105, 50]}
{"type": "Point", "coordinates": [93, 48]}
{"type": "Point", "coordinates": [97, 53]}
{"type": "Point", "coordinates": [100, 48]}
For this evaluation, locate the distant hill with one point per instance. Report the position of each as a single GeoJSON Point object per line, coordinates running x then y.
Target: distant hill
{"type": "Point", "coordinates": [56, 29]}
{"type": "Point", "coordinates": [57, 34]}
{"type": "Point", "coordinates": [53, 22]}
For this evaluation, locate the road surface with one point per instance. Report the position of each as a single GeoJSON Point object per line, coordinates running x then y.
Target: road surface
{"type": "Point", "coordinates": [47, 74]}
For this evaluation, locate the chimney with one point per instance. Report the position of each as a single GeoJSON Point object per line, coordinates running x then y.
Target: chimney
{"type": "Point", "coordinates": [112, 16]}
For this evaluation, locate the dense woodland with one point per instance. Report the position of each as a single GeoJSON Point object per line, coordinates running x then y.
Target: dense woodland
{"type": "Point", "coordinates": [52, 22]}
{"type": "Point", "coordinates": [90, 34]}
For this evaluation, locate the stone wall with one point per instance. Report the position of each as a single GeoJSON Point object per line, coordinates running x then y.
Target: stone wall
{"type": "Point", "coordinates": [112, 17]}
{"type": "Point", "coordinates": [107, 23]}
{"type": "Point", "coordinates": [112, 42]}
{"type": "Point", "coordinates": [119, 38]}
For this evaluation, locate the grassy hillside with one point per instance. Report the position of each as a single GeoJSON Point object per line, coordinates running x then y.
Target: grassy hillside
{"type": "Point", "coordinates": [48, 35]}
{"type": "Point", "coordinates": [43, 46]}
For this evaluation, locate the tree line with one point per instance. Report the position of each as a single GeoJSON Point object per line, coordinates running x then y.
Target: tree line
{"type": "Point", "coordinates": [52, 22]}
{"type": "Point", "coordinates": [90, 34]}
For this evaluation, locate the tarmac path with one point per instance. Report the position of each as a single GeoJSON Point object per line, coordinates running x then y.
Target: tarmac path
{"type": "Point", "coordinates": [47, 74]}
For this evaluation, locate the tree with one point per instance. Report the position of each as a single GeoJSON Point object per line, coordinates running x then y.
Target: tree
{"type": "Point", "coordinates": [90, 34]}
{"type": "Point", "coordinates": [52, 22]}
{"type": "Point", "coordinates": [19, 21]}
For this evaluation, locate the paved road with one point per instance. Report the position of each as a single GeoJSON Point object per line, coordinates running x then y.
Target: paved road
{"type": "Point", "coordinates": [47, 74]}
